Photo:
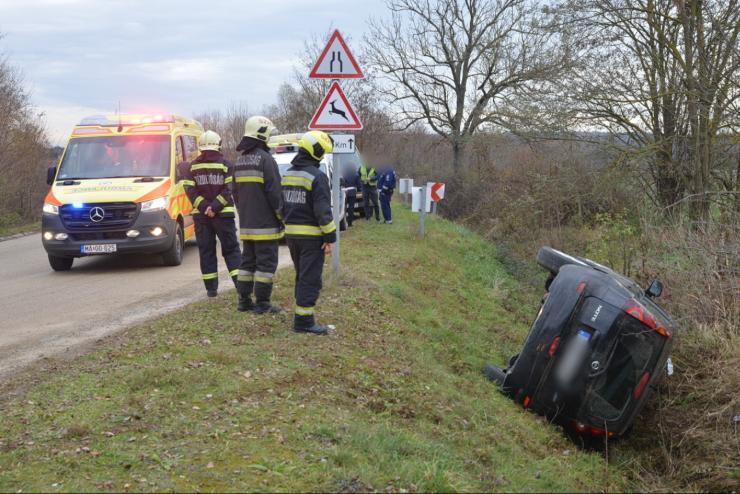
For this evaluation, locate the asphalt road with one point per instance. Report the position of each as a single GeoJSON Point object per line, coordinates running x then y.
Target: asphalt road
{"type": "Point", "coordinates": [45, 313]}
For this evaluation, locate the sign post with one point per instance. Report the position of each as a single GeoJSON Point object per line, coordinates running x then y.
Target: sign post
{"type": "Point", "coordinates": [423, 213]}
{"type": "Point", "coordinates": [336, 113]}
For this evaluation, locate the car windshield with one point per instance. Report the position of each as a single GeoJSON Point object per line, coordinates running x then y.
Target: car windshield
{"type": "Point", "coordinates": [629, 361]}
{"type": "Point", "coordinates": [116, 156]}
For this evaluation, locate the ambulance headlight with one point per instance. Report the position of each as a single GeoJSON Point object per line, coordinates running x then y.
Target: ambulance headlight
{"type": "Point", "coordinates": [50, 208]}
{"type": "Point", "coordinates": [48, 235]}
{"type": "Point", "coordinates": [154, 205]}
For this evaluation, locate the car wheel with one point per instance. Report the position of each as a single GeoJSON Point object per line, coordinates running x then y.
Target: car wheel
{"type": "Point", "coordinates": [173, 256]}
{"type": "Point", "coordinates": [552, 259]}
{"type": "Point", "coordinates": [61, 263]}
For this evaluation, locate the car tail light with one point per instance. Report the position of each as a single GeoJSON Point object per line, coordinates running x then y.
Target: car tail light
{"type": "Point", "coordinates": [641, 386]}
{"type": "Point", "coordinates": [582, 428]}
{"type": "Point", "coordinates": [526, 401]}
{"type": "Point", "coordinates": [581, 287]}
{"type": "Point", "coordinates": [636, 310]}
{"type": "Point", "coordinates": [554, 346]}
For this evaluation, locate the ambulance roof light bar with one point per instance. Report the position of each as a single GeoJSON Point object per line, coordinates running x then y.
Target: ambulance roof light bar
{"type": "Point", "coordinates": [114, 120]}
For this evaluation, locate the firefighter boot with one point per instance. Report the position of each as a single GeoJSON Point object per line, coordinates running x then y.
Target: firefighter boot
{"type": "Point", "coordinates": [245, 296]}
{"type": "Point", "coordinates": [307, 324]}
{"type": "Point", "coordinates": [262, 294]}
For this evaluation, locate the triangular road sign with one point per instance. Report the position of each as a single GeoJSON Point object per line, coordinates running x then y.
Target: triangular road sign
{"type": "Point", "coordinates": [335, 112]}
{"type": "Point", "coordinates": [336, 61]}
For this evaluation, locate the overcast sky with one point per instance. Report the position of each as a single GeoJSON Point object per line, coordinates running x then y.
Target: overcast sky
{"type": "Point", "coordinates": [81, 57]}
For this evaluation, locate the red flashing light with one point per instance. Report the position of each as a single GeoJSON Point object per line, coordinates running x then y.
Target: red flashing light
{"type": "Point", "coordinates": [641, 386]}
{"type": "Point", "coordinates": [554, 346]}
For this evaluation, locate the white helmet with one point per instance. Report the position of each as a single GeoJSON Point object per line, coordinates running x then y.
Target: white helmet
{"type": "Point", "coordinates": [258, 127]}
{"type": "Point", "coordinates": [209, 141]}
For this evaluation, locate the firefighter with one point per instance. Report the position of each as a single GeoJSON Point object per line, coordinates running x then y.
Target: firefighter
{"type": "Point", "coordinates": [369, 180]}
{"type": "Point", "coordinates": [207, 182]}
{"type": "Point", "coordinates": [259, 201]}
{"type": "Point", "coordinates": [309, 225]}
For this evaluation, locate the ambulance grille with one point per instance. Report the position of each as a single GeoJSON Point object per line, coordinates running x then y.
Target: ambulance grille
{"type": "Point", "coordinates": [115, 215]}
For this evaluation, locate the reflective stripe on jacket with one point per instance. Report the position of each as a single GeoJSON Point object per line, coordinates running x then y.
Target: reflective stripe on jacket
{"type": "Point", "coordinates": [207, 183]}
{"type": "Point", "coordinates": [307, 200]}
{"type": "Point", "coordinates": [258, 196]}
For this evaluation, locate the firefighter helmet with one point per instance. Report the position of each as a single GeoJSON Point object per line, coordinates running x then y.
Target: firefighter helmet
{"type": "Point", "coordinates": [316, 143]}
{"type": "Point", "coordinates": [209, 141]}
{"type": "Point", "coordinates": [258, 127]}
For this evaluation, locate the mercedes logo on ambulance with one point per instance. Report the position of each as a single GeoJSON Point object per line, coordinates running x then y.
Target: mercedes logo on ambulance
{"type": "Point", "coordinates": [97, 214]}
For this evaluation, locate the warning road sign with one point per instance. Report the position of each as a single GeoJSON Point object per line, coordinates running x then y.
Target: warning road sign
{"type": "Point", "coordinates": [438, 191]}
{"type": "Point", "coordinates": [335, 112]}
{"type": "Point", "coordinates": [336, 61]}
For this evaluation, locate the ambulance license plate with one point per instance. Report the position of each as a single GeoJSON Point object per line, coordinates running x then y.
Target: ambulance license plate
{"type": "Point", "coordinates": [99, 248]}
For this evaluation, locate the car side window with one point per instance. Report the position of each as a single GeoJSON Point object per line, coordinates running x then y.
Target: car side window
{"type": "Point", "coordinates": [191, 147]}
{"type": "Point", "coordinates": [179, 153]}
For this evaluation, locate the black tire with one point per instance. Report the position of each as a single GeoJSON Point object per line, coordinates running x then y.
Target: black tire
{"type": "Point", "coordinates": [343, 224]}
{"type": "Point", "coordinates": [495, 374]}
{"type": "Point", "coordinates": [173, 256]}
{"type": "Point", "coordinates": [61, 263]}
{"type": "Point", "coordinates": [552, 259]}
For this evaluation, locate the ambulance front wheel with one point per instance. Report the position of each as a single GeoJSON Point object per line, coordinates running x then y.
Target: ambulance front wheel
{"type": "Point", "coordinates": [173, 256]}
{"type": "Point", "coordinates": [61, 263]}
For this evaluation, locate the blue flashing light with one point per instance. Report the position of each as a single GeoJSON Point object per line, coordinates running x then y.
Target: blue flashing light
{"type": "Point", "coordinates": [77, 205]}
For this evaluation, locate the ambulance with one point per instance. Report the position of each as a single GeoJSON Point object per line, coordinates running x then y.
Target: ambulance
{"type": "Point", "coordinates": [115, 189]}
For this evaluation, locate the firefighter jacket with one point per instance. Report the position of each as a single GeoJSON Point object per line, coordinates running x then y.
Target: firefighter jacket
{"type": "Point", "coordinates": [207, 181]}
{"type": "Point", "coordinates": [307, 201]}
{"type": "Point", "coordinates": [258, 195]}
{"type": "Point", "coordinates": [368, 176]}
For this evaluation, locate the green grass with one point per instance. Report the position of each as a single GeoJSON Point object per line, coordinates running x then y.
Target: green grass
{"type": "Point", "coordinates": [6, 231]}
{"type": "Point", "coordinates": [212, 400]}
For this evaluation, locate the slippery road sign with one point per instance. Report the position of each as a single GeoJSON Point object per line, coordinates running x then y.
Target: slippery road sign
{"type": "Point", "coordinates": [344, 143]}
{"type": "Point", "coordinates": [335, 112]}
{"type": "Point", "coordinates": [336, 61]}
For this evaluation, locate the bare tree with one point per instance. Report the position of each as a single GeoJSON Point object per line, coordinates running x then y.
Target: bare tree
{"type": "Point", "coordinates": [23, 151]}
{"type": "Point", "coordinates": [661, 77]}
{"type": "Point", "coordinates": [453, 64]}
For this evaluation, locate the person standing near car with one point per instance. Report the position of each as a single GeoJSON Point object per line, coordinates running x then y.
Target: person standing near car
{"type": "Point", "coordinates": [369, 180]}
{"type": "Point", "coordinates": [207, 182]}
{"type": "Point", "coordinates": [310, 230]}
{"type": "Point", "coordinates": [258, 197]}
{"type": "Point", "coordinates": [386, 186]}
{"type": "Point", "coordinates": [352, 184]}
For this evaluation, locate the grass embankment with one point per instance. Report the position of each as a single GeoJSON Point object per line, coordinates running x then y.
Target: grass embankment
{"type": "Point", "coordinates": [7, 231]}
{"type": "Point", "coordinates": [210, 399]}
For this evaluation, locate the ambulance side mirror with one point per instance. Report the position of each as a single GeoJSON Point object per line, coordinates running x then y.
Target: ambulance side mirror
{"type": "Point", "coordinates": [50, 174]}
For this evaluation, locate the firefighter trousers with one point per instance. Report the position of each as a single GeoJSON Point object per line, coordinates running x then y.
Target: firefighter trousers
{"type": "Point", "coordinates": [206, 231]}
{"type": "Point", "coordinates": [308, 259]}
{"type": "Point", "coordinates": [257, 270]}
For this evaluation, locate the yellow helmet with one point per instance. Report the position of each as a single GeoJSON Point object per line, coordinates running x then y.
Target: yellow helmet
{"type": "Point", "coordinates": [210, 141]}
{"type": "Point", "coordinates": [317, 144]}
{"type": "Point", "coordinates": [258, 127]}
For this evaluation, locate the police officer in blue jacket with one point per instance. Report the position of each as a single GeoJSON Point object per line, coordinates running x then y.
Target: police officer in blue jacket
{"type": "Point", "coordinates": [386, 185]}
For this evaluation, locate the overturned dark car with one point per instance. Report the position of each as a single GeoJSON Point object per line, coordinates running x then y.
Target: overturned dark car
{"type": "Point", "coordinates": [595, 352]}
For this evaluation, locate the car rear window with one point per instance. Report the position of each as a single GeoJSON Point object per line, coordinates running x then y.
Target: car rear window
{"type": "Point", "coordinates": [630, 359]}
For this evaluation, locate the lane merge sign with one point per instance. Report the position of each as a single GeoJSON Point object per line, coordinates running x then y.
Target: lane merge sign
{"type": "Point", "coordinates": [335, 112]}
{"type": "Point", "coordinates": [344, 143]}
{"type": "Point", "coordinates": [336, 61]}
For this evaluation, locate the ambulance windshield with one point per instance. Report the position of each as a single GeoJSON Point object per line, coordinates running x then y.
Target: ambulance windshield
{"type": "Point", "coordinates": [116, 157]}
